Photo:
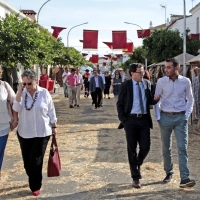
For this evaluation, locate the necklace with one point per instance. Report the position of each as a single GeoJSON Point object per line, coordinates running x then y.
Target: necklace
{"type": "Point", "coordinates": [36, 94]}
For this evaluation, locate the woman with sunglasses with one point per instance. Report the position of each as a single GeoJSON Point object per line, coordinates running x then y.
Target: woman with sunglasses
{"type": "Point", "coordinates": [37, 122]}
{"type": "Point", "coordinates": [8, 118]}
{"type": "Point", "coordinates": [116, 82]}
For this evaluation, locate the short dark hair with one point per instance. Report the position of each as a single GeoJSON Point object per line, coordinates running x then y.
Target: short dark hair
{"type": "Point", "coordinates": [133, 67]}
{"type": "Point", "coordinates": [174, 61]}
{"type": "Point", "coordinates": [73, 70]}
{"type": "Point", "coordinates": [117, 71]}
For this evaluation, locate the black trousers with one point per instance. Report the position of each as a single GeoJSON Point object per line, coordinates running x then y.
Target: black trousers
{"type": "Point", "coordinates": [97, 96]}
{"type": "Point", "coordinates": [33, 151]}
{"type": "Point", "coordinates": [107, 89]}
{"type": "Point", "coordinates": [137, 134]}
{"type": "Point", "coordinates": [87, 86]}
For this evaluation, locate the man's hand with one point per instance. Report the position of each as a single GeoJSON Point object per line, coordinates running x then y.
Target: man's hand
{"type": "Point", "coordinates": [157, 97]}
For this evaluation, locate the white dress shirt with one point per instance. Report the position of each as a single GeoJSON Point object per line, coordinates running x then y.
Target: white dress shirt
{"type": "Point", "coordinates": [37, 121]}
{"type": "Point", "coordinates": [65, 78]}
{"type": "Point", "coordinates": [80, 79]}
{"type": "Point", "coordinates": [176, 96]}
{"type": "Point", "coordinates": [136, 101]}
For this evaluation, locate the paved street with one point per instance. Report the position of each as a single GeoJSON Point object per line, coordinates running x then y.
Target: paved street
{"type": "Point", "coordinates": [94, 161]}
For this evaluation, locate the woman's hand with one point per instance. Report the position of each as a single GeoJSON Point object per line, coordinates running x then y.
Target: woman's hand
{"type": "Point", "coordinates": [54, 131]}
{"type": "Point", "coordinates": [13, 125]}
{"type": "Point", "coordinates": [20, 87]}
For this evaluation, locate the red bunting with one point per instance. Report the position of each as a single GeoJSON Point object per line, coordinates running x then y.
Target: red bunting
{"type": "Point", "coordinates": [194, 36]}
{"type": "Point", "coordinates": [104, 64]}
{"type": "Point", "coordinates": [90, 39]}
{"type": "Point", "coordinates": [119, 39]}
{"type": "Point", "coordinates": [115, 59]}
{"type": "Point", "coordinates": [84, 54]}
{"type": "Point", "coordinates": [119, 55]}
{"type": "Point", "coordinates": [109, 44]}
{"type": "Point", "coordinates": [144, 33]}
{"type": "Point", "coordinates": [56, 31]}
{"type": "Point", "coordinates": [129, 48]}
{"type": "Point", "coordinates": [94, 59]}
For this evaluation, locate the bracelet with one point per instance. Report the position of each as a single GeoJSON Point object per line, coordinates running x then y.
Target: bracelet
{"type": "Point", "coordinates": [54, 127]}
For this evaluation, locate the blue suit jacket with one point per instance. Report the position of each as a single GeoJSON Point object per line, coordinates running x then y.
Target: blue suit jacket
{"type": "Point", "coordinates": [93, 84]}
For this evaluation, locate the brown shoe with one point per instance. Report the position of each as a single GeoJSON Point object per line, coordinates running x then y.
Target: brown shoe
{"type": "Point", "coordinates": [136, 184]}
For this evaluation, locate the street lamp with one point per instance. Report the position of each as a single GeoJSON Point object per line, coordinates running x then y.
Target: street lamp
{"type": "Point", "coordinates": [142, 30]}
{"type": "Point", "coordinates": [41, 9]}
{"type": "Point", "coordinates": [165, 7]}
{"type": "Point", "coordinates": [70, 30]}
{"type": "Point", "coordinates": [184, 40]}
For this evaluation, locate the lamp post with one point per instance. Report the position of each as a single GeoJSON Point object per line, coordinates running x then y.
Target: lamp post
{"type": "Point", "coordinates": [142, 30]}
{"type": "Point", "coordinates": [41, 9]}
{"type": "Point", "coordinates": [184, 40]}
{"type": "Point", "coordinates": [71, 29]}
{"type": "Point", "coordinates": [165, 7]}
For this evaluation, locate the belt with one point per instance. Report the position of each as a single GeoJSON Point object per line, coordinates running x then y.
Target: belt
{"type": "Point", "coordinates": [137, 115]}
{"type": "Point", "coordinates": [173, 113]}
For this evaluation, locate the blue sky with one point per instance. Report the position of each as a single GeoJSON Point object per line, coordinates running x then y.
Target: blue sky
{"type": "Point", "coordinates": [102, 15]}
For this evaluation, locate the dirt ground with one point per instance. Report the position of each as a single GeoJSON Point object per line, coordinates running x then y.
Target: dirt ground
{"type": "Point", "coordinates": [94, 160]}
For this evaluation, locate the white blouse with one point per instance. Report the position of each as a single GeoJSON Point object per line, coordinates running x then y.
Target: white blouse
{"type": "Point", "coordinates": [37, 121]}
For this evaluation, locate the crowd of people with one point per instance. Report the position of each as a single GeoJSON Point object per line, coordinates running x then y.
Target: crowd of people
{"type": "Point", "coordinates": [32, 111]}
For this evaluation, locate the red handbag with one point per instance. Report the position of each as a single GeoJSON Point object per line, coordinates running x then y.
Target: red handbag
{"type": "Point", "coordinates": [54, 164]}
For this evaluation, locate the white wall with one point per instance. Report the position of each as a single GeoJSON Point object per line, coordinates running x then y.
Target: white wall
{"type": "Point", "coordinates": [191, 23]}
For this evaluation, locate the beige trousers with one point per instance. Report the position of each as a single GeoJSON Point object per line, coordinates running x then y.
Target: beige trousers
{"type": "Point", "coordinates": [78, 93]}
{"type": "Point", "coordinates": [72, 94]}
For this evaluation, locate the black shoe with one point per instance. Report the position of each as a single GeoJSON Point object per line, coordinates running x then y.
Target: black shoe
{"type": "Point", "coordinates": [108, 97]}
{"type": "Point", "coordinates": [187, 183]}
{"type": "Point", "coordinates": [75, 105]}
{"type": "Point", "coordinates": [71, 106]}
{"type": "Point", "coordinates": [168, 178]}
{"type": "Point", "coordinates": [136, 184]}
{"type": "Point", "coordinates": [95, 107]}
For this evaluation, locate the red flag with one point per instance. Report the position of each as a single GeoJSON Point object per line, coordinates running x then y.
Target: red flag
{"type": "Point", "coordinates": [56, 31]}
{"type": "Point", "coordinates": [94, 59]}
{"type": "Point", "coordinates": [109, 44]}
{"type": "Point", "coordinates": [194, 36]}
{"type": "Point", "coordinates": [129, 48]}
{"type": "Point", "coordinates": [104, 64]}
{"type": "Point", "coordinates": [84, 54]}
{"type": "Point", "coordinates": [144, 33]}
{"type": "Point", "coordinates": [90, 39]}
{"type": "Point", "coordinates": [119, 55]}
{"type": "Point", "coordinates": [115, 59]}
{"type": "Point", "coordinates": [119, 39]}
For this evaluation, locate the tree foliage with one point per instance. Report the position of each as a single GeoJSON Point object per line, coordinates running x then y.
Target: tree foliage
{"type": "Point", "coordinates": [166, 43]}
{"type": "Point", "coordinates": [25, 42]}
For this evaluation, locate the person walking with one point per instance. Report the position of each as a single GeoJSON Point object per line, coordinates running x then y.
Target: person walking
{"type": "Point", "coordinates": [107, 85]}
{"type": "Point", "coordinates": [78, 88]}
{"type": "Point", "coordinates": [72, 82]}
{"type": "Point", "coordinates": [134, 100]}
{"type": "Point", "coordinates": [64, 78]}
{"type": "Point", "coordinates": [8, 117]}
{"type": "Point", "coordinates": [86, 82]}
{"type": "Point", "coordinates": [96, 88]}
{"type": "Point", "coordinates": [116, 82]}
{"type": "Point", "coordinates": [37, 122]}
{"type": "Point", "coordinates": [172, 113]}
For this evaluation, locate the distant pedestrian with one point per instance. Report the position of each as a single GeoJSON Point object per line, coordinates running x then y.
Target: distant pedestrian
{"type": "Point", "coordinates": [96, 88]}
{"type": "Point", "coordinates": [37, 122]}
{"type": "Point", "coordinates": [64, 78]}
{"type": "Point", "coordinates": [172, 113]}
{"type": "Point", "coordinates": [86, 82]}
{"type": "Point", "coordinates": [72, 82]}
{"type": "Point", "coordinates": [116, 82]}
{"type": "Point", "coordinates": [78, 88]}
{"type": "Point", "coordinates": [107, 85]}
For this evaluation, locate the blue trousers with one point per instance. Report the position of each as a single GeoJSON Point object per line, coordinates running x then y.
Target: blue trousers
{"type": "Point", "coordinates": [178, 123]}
{"type": "Point", "coordinates": [3, 141]}
{"type": "Point", "coordinates": [65, 89]}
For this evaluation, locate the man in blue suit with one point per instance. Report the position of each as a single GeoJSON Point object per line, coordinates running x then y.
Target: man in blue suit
{"type": "Point", "coordinates": [96, 88]}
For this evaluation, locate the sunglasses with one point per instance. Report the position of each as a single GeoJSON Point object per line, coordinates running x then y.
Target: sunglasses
{"type": "Point", "coordinates": [142, 73]}
{"type": "Point", "coordinates": [24, 84]}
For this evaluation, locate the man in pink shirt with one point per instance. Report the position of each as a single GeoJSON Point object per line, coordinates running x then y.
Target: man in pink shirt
{"type": "Point", "coordinates": [72, 81]}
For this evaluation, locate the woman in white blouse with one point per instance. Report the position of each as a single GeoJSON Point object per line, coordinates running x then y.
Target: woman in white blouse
{"type": "Point", "coordinates": [8, 118]}
{"type": "Point", "coordinates": [37, 122]}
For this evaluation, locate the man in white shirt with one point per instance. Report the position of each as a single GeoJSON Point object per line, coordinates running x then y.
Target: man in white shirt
{"type": "Point", "coordinates": [64, 78]}
{"type": "Point", "coordinates": [172, 113]}
{"type": "Point", "coordinates": [78, 88]}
